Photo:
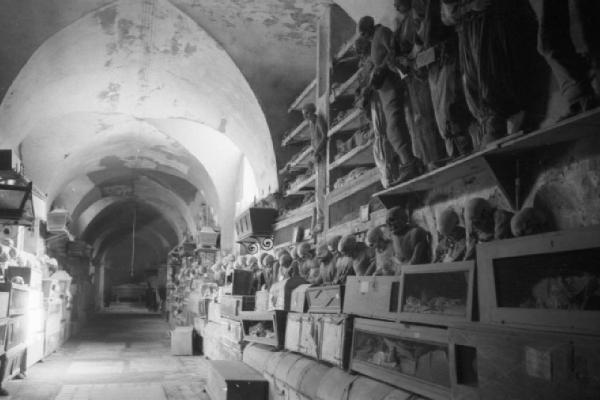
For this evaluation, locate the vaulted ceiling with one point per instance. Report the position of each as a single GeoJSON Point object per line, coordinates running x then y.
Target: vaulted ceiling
{"type": "Point", "coordinates": [158, 106]}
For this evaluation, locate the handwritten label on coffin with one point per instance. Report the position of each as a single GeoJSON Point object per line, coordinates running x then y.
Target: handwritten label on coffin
{"type": "Point", "coordinates": [538, 363]}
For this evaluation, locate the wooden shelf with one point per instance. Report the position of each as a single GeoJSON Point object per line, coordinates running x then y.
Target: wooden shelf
{"type": "Point", "coordinates": [368, 179]}
{"type": "Point", "coordinates": [307, 184]}
{"type": "Point", "coordinates": [350, 122]}
{"type": "Point", "coordinates": [494, 162]}
{"type": "Point", "coordinates": [300, 134]}
{"type": "Point", "coordinates": [376, 218]}
{"type": "Point", "coordinates": [358, 156]}
{"type": "Point", "coordinates": [344, 87]}
{"type": "Point", "coordinates": [309, 94]}
{"type": "Point", "coordinates": [294, 216]}
{"type": "Point", "coordinates": [301, 159]}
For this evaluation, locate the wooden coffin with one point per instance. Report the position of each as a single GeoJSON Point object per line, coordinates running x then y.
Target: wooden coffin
{"type": "Point", "coordinates": [292, 332]}
{"type": "Point", "coordinates": [3, 331]}
{"type": "Point", "coordinates": [298, 301]}
{"type": "Point", "coordinates": [542, 281]}
{"type": "Point", "coordinates": [309, 335]}
{"type": "Point", "coordinates": [372, 296]}
{"type": "Point", "coordinates": [276, 388]}
{"type": "Point", "coordinates": [493, 362]}
{"type": "Point", "coordinates": [258, 356]}
{"type": "Point", "coordinates": [305, 377]}
{"type": "Point", "coordinates": [280, 294]}
{"type": "Point", "coordinates": [261, 300]}
{"type": "Point", "coordinates": [231, 306]}
{"type": "Point", "coordinates": [335, 385]}
{"type": "Point", "coordinates": [234, 380]}
{"type": "Point", "coordinates": [15, 361]}
{"type": "Point", "coordinates": [365, 388]}
{"type": "Point", "coordinates": [214, 312]}
{"type": "Point", "coordinates": [325, 299]}
{"type": "Point", "coordinates": [265, 327]}
{"type": "Point", "coordinates": [335, 339]}
{"type": "Point", "coordinates": [281, 374]}
{"type": "Point", "coordinates": [16, 332]}
{"type": "Point", "coordinates": [255, 221]}
{"type": "Point", "coordinates": [413, 358]}
{"type": "Point", "coordinates": [437, 294]}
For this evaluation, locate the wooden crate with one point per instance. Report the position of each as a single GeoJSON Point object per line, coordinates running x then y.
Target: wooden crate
{"type": "Point", "coordinates": [241, 282]}
{"type": "Point", "coordinates": [292, 332]}
{"type": "Point", "coordinates": [372, 296]}
{"type": "Point", "coordinates": [335, 339]}
{"type": "Point", "coordinates": [234, 380]}
{"type": "Point", "coordinates": [309, 335]}
{"type": "Point", "coordinates": [413, 358]}
{"type": "Point", "coordinates": [437, 294]}
{"type": "Point", "coordinates": [494, 362]}
{"type": "Point", "coordinates": [4, 298]}
{"type": "Point", "coordinates": [15, 362]}
{"type": "Point", "coordinates": [261, 302]}
{"type": "Point", "coordinates": [299, 303]}
{"type": "Point", "coordinates": [335, 385]}
{"type": "Point", "coordinates": [325, 299]}
{"type": "Point", "coordinates": [280, 294]}
{"type": "Point", "coordinates": [31, 276]}
{"type": "Point", "coordinates": [231, 306]}
{"type": "Point", "coordinates": [270, 321]}
{"type": "Point", "coordinates": [542, 281]}
{"type": "Point", "coordinates": [3, 332]}
{"type": "Point", "coordinates": [16, 332]}
{"type": "Point", "coordinates": [18, 300]}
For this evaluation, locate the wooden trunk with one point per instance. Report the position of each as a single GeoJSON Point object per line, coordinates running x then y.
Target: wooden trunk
{"type": "Point", "coordinates": [262, 300]}
{"type": "Point", "coordinates": [372, 296]}
{"type": "Point", "coordinates": [325, 299]}
{"type": "Point", "coordinates": [4, 297]}
{"type": "Point", "coordinates": [231, 306]}
{"type": "Point", "coordinates": [493, 363]}
{"type": "Point", "coordinates": [234, 380]}
{"type": "Point", "coordinates": [299, 303]}
{"type": "Point", "coordinates": [304, 379]}
{"type": "Point", "coordinates": [413, 358]}
{"type": "Point", "coordinates": [309, 335]}
{"type": "Point", "coordinates": [335, 385]}
{"type": "Point", "coordinates": [241, 282]}
{"type": "Point", "coordinates": [292, 332]}
{"type": "Point", "coordinates": [335, 339]}
{"type": "Point", "coordinates": [272, 327]}
{"type": "Point", "coordinates": [280, 294]}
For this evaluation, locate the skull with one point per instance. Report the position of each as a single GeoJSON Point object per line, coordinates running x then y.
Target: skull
{"type": "Point", "coordinates": [396, 219]}
{"type": "Point", "coordinates": [447, 221]}
{"type": "Point", "coordinates": [347, 245]}
{"type": "Point", "coordinates": [375, 238]}
{"type": "Point", "coordinates": [480, 215]}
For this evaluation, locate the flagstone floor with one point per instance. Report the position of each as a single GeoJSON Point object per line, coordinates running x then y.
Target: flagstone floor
{"type": "Point", "coordinates": [115, 356]}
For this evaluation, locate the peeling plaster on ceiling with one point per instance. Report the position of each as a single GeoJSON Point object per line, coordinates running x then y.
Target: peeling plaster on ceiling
{"type": "Point", "coordinates": [147, 78]}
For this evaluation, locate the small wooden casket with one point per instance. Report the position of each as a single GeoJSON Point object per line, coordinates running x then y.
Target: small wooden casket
{"type": "Point", "coordinates": [292, 332]}
{"type": "Point", "coordinates": [265, 327]}
{"type": "Point", "coordinates": [298, 302]}
{"type": "Point", "coordinates": [413, 358]}
{"type": "Point", "coordinates": [372, 296]}
{"type": "Point", "coordinates": [262, 300]}
{"type": "Point", "coordinates": [280, 294]}
{"type": "Point", "coordinates": [335, 339]}
{"type": "Point", "coordinates": [234, 380]}
{"type": "Point", "coordinates": [231, 306]}
{"type": "Point", "coordinates": [325, 299]}
{"type": "Point", "coordinates": [309, 335]}
{"type": "Point", "coordinates": [496, 362]}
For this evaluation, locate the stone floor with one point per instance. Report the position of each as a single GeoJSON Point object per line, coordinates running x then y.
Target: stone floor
{"type": "Point", "coordinates": [116, 356]}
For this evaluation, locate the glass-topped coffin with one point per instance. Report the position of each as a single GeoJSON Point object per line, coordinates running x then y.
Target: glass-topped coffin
{"type": "Point", "coordinates": [415, 358]}
{"type": "Point", "coordinates": [550, 280]}
{"type": "Point", "coordinates": [437, 293]}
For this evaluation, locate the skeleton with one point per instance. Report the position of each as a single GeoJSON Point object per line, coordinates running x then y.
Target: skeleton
{"type": "Point", "coordinates": [486, 222]}
{"type": "Point", "coordinates": [361, 255]}
{"type": "Point", "coordinates": [384, 253]}
{"type": "Point", "coordinates": [452, 237]}
{"type": "Point", "coordinates": [411, 243]}
{"type": "Point", "coordinates": [327, 264]}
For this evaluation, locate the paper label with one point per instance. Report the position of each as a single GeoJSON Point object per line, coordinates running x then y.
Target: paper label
{"type": "Point", "coordinates": [364, 287]}
{"type": "Point", "coordinates": [538, 363]}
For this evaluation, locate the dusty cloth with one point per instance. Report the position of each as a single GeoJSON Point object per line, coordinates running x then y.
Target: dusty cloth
{"type": "Point", "coordinates": [426, 141]}
{"type": "Point", "coordinates": [490, 48]}
{"type": "Point", "coordinates": [391, 95]}
{"type": "Point", "coordinates": [412, 247]}
{"type": "Point", "coordinates": [565, 33]}
{"type": "Point", "coordinates": [449, 105]}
